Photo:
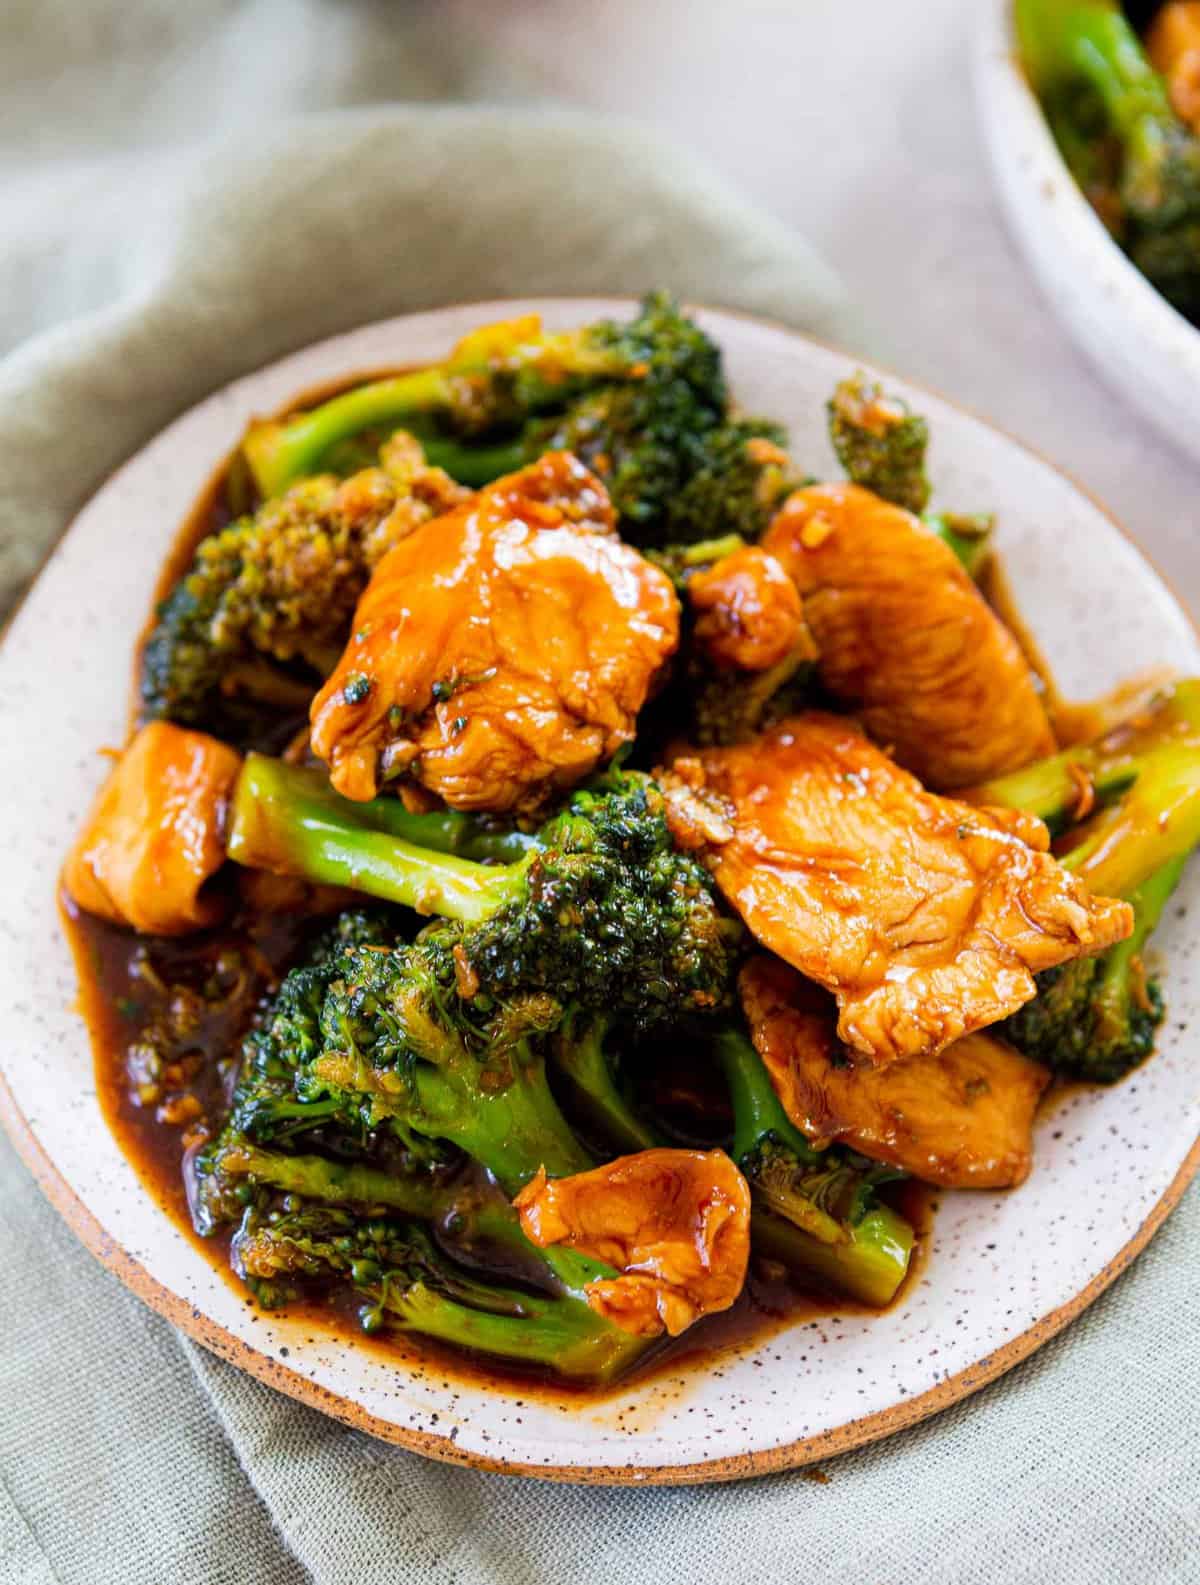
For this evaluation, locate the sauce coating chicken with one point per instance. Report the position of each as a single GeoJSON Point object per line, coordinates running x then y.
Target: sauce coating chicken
{"type": "Point", "coordinates": [906, 639]}
{"type": "Point", "coordinates": [748, 611]}
{"type": "Point", "coordinates": [156, 833]}
{"type": "Point", "coordinates": [501, 651]}
{"type": "Point", "coordinates": [1173, 45]}
{"type": "Point", "coordinates": [962, 1117]}
{"type": "Point", "coordinates": [926, 917]}
{"type": "Point", "coordinates": [675, 1223]}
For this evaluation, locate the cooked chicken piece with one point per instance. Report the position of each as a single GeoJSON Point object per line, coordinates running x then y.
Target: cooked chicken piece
{"type": "Point", "coordinates": [962, 1117]}
{"type": "Point", "coordinates": [676, 1223]}
{"type": "Point", "coordinates": [156, 833]}
{"type": "Point", "coordinates": [501, 651]}
{"type": "Point", "coordinates": [926, 917]}
{"type": "Point", "coordinates": [906, 639]}
{"type": "Point", "coordinates": [748, 611]}
{"type": "Point", "coordinates": [1173, 45]}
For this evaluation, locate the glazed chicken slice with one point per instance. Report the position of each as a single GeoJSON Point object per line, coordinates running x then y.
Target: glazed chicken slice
{"type": "Point", "coordinates": [501, 651]}
{"type": "Point", "coordinates": [675, 1223]}
{"type": "Point", "coordinates": [926, 917]}
{"type": "Point", "coordinates": [156, 833]}
{"type": "Point", "coordinates": [906, 639]}
{"type": "Point", "coordinates": [961, 1117]}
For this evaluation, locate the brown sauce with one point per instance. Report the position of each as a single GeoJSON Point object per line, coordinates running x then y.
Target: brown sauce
{"type": "Point", "coordinates": [116, 1000]}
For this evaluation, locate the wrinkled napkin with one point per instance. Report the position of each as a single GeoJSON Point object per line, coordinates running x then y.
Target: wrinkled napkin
{"type": "Point", "coordinates": [131, 285]}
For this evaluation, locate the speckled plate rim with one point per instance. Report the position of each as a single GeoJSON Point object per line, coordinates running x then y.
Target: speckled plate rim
{"type": "Point", "coordinates": [853, 1433]}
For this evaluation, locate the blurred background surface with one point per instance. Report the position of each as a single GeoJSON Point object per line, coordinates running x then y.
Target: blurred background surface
{"type": "Point", "coordinates": [853, 123]}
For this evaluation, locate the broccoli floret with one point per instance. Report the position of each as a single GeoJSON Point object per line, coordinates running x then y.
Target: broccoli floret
{"type": "Point", "coordinates": [505, 376]}
{"type": "Point", "coordinates": [1111, 114]}
{"type": "Point", "coordinates": [370, 1059]}
{"type": "Point", "coordinates": [602, 910]}
{"type": "Point", "coordinates": [642, 403]}
{"type": "Point", "coordinates": [1096, 1017]}
{"type": "Point", "coordinates": [404, 1282]}
{"type": "Point", "coordinates": [402, 1048]}
{"type": "Point", "coordinates": [725, 705]}
{"type": "Point", "coordinates": [263, 612]}
{"type": "Point", "coordinates": [814, 1210]}
{"type": "Point", "coordinates": [879, 442]}
{"type": "Point", "coordinates": [738, 476]}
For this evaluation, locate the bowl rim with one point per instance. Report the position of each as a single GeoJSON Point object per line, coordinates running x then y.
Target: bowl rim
{"type": "Point", "coordinates": [851, 1434]}
{"type": "Point", "coordinates": [1004, 93]}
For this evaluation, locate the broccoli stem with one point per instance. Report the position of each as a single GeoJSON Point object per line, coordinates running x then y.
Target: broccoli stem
{"type": "Point", "coordinates": [475, 465]}
{"type": "Point", "coordinates": [863, 1252]}
{"type": "Point", "coordinates": [1120, 968]}
{"type": "Point", "coordinates": [561, 1334]}
{"type": "Point", "coordinates": [969, 536]}
{"type": "Point", "coordinates": [512, 1131]}
{"type": "Point", "coordinates": [578, 1053]}
{"type": "Point", "coordinates": [1151, 765]}
{"type": "Point", "coordinates": [334, 1182]}
{"type": "Point", "coordinates": [1050, 788]}
{"type": "Point", "coordinates": [870, 1265]}
{"type": "Point", "coordinates": [281, 451]}
{"type": "Point", "coordinates": [757, 1111]}
{"type": "Point", "coordinates": [289, 821]}
{"type": "Point", "coordinates": [1155, 825]}
{"type": "Point", "coordinates": [1092, 40]}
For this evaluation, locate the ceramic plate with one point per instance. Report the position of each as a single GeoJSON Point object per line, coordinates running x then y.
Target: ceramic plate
{"type": "Point", "coordinates": [1147, 351]}
{"type": "Point", "coordinates": [1005, 1271]}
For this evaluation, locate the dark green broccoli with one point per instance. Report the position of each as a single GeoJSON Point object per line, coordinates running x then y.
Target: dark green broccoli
{"type": "Point", "coordinates": [367, 1075]}
{"type": "Point", "coordinates": [677, 472]}
{"type": "Point", "coordinates": [879, 442]}
{"type": "Point", "coordinates": [1096, 1017]}
{"type": "Point", "coordinates": [1170, 260]}
{"type": "Point", "coordinates": [643, 403]}
{"type": "Point", "coordinates": [506, 376]}
{"type": "Point", "coordinates": [264, 611]}
{"type": "Point", "coordinates": [406, 1283]}
{"type": "Point", "coordinates": [602, 910]}
{"type": "Point", "coordinates": [815, 1211]}
{"type": "Point", "coordinates": [1110, 111]}
{"type": "Point", "coordinates": [401, 1048]}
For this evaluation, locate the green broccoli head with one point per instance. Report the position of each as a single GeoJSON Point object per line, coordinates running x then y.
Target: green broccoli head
{"type": "Point", "coordinates": [644, 433]}
{"type": "Point", "coordinates": [739, 475]}
{"type": "Point", "coordinates": [612, 916]}
{"type": "Point", "coordinates": [1096, 1018]}
{"type": "Point", "coordinates": [264, 610]}
{"type": "Point", "coordinates": [404, 1281]}
{"type": "Point", "coordinates": [879, 442]}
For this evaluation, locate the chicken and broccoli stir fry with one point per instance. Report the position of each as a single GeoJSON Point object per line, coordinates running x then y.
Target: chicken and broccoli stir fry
{"type": "Point", "coordinates": [542, 731]}
{"type": "Point", "coordinates": [1125, 112]}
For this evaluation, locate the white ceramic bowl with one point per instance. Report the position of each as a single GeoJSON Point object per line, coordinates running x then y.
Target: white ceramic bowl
{"type": "Point", "coordinates": [1005, 1271]}
{"type": "Point", "coordinates": [1142, 346]}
